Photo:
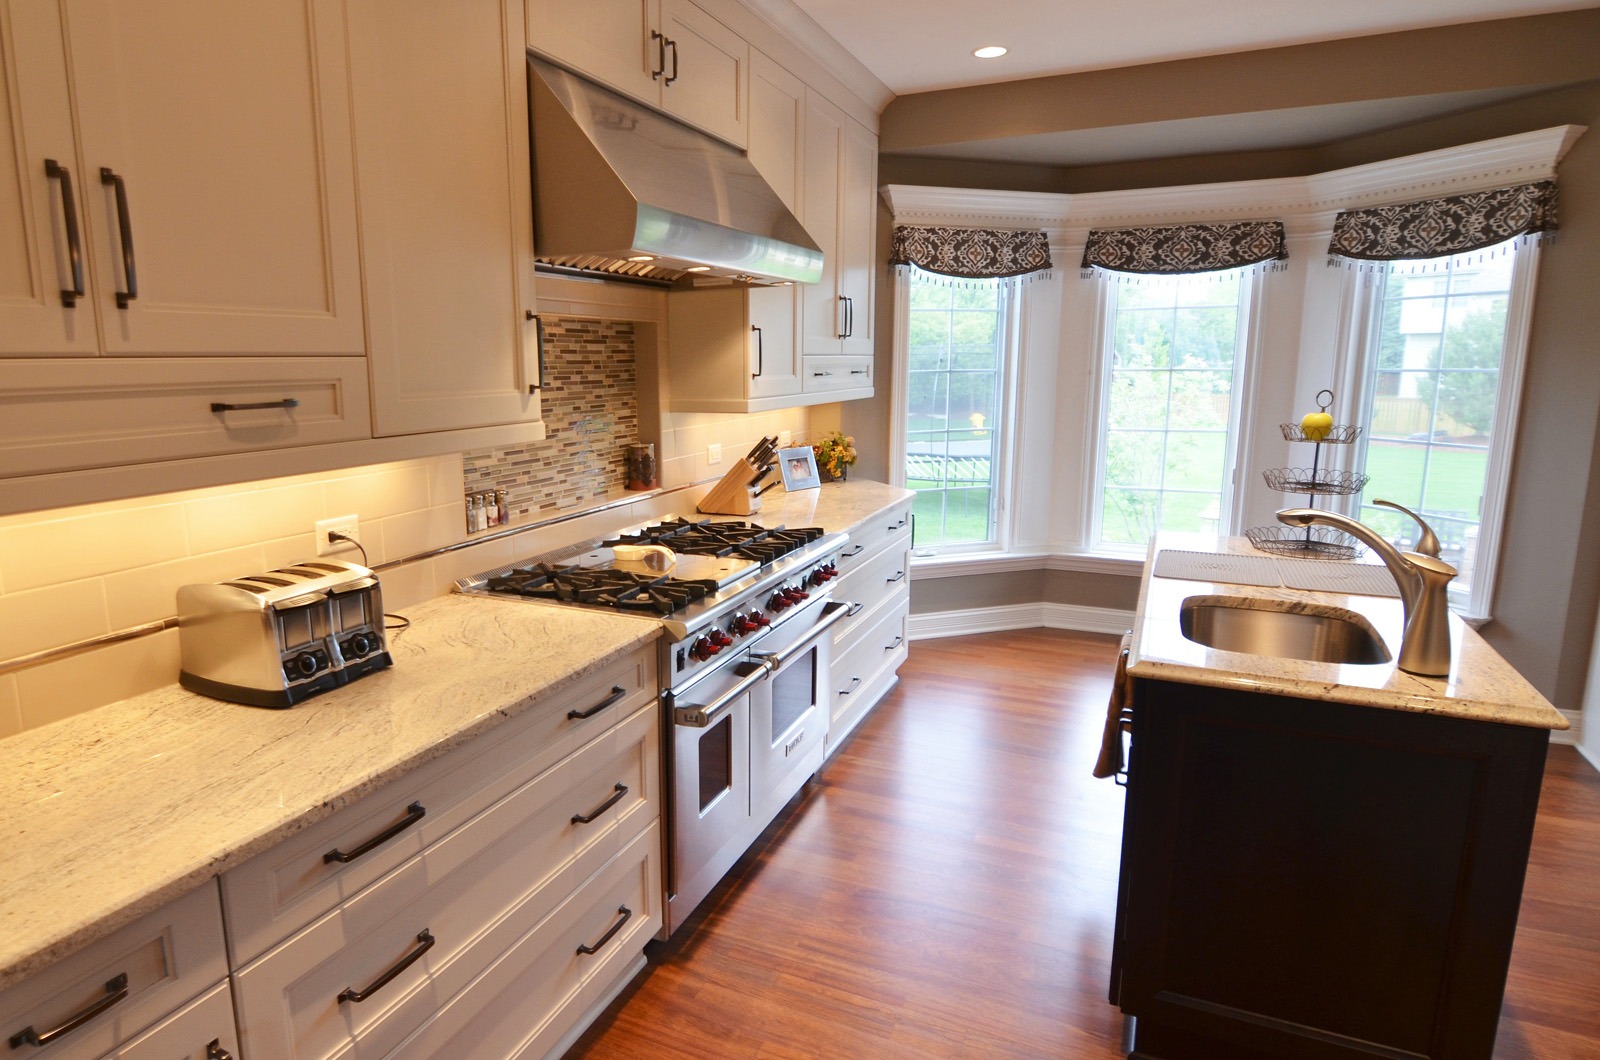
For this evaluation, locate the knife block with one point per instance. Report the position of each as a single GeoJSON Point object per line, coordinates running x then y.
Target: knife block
{"type": "Point", "coordinates": [733, 495]}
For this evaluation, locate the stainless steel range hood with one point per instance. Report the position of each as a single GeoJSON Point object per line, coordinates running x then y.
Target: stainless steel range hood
{"type": "Point", "coordinates": [621, 190]}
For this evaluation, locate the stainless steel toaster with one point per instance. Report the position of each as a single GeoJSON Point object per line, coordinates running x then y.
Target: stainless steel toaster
{"type": "Point", "coordinates": [273, 639]}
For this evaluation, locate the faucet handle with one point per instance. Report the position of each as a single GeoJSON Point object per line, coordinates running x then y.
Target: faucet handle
{"type": "Point", "coordinates": [1428, 544]}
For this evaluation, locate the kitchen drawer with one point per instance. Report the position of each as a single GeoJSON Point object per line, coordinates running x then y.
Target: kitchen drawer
{"type": "Point", "coordinates": [279, 891]}
{"type": "Point", "coordinates": [166, 958]}
{"type": "Point", "coordinates": [66, 414]}
{"type": "Point", "coordinates": [864, 670]}
{"type": "Point", "coordinates": [822, 374]}
{"type": "Point", "coordinates": [532, 997]}
{"type": "Point", "coordinates": [201, 1030]}
{"type": "Point", "coordinates": [472, 893]}
{"type": "Point", "coordinates": [881, 576]}
{"type": "Point", "coordinates": [889, 527]}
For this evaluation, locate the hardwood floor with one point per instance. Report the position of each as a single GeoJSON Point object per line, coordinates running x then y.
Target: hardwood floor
{"type": "Point", "coordinates": [946, 887]}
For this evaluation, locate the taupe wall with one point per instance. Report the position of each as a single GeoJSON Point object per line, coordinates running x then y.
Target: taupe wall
{"type": "Point", "coordinates": [1012, 588]}
{"type": "Point", "coordinates": [1550, 573]}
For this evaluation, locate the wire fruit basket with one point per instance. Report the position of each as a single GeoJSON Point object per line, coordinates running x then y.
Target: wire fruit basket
{"type": "Point", "coordinates": [1312, 542]}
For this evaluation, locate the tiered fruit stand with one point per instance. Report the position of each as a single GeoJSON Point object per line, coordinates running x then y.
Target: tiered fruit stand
{"type": "Point", "coordinates": [1312, 542]}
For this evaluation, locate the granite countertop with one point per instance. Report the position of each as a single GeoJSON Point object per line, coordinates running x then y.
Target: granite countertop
{"type": "Point", "coordinates": [834, 506]}
{"type": "Point", "coordinates": [111, 814]}
{"type": "Point", "coordinates": [1481, 686]}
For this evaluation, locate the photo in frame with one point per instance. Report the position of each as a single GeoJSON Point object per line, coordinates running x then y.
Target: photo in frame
{"type": "Point", "coordinates": [799, 467]}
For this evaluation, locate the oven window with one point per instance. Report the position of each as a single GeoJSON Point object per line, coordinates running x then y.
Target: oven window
{"type": "Point", "coordinates": [793, 693]}
{"type": "Point", "coordinates": [715, 750]}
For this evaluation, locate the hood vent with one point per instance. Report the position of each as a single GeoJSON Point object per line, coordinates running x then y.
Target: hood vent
{"type": "Point", "coordinates": [624, 192]}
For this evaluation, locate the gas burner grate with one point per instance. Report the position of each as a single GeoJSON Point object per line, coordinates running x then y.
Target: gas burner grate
{"type": "Point", "coordinates": [659, 594]}
{"type": "Point", "coordinates": [710, 538]}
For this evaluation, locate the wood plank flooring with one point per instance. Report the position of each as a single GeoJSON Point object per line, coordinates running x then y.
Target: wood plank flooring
{"type": "Point", "coordinates": [946, 887]}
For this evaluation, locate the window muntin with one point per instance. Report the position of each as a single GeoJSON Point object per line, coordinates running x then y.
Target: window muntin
{"type": "Point", "coordinates": [956, 354]}
{"type": "Point", "coordinates": [1172, 368]}
{"type": "Point", "coordinates": [1436, 380]}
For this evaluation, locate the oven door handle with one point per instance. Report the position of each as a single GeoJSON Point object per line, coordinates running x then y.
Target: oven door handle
{"type": "Point", "coordinates": [832, 612]}
{"type": "Point", "coordinates": [700, 717]}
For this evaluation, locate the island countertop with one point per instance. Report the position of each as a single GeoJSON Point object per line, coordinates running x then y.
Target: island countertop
{"type": "Point", "coordinates": [1481, 686]}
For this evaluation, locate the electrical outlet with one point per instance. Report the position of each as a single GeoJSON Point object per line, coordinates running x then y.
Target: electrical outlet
{"type": "Point", "coordinates": [714, 453]}
{"type": "Point", "coordinates": [348, 525]}
{"type": "Point", "coordinates": [785, 439]}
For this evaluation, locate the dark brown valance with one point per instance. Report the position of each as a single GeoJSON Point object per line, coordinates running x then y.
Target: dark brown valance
{"type": "Point", "coordinates": [970, 253]}
{"type": "Point", "coordinates": [1176, 249]}
{"type": "Point", "coordinates": [1436, 228]}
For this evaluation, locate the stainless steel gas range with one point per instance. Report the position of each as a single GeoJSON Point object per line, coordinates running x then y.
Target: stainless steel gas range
{"type": "Point", "coordinates": [744, 668]}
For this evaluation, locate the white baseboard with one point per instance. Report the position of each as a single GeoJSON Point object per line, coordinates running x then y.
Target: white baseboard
{"type": "Point", "coordinates": [1019, 616]}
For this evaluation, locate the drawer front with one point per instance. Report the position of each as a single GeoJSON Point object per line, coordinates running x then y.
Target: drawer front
{"type": "Point", "coordinates": [868, 586]}
{"type": "Point", "coordinates": [445, 915]}
{"type": "Point", "coordinates": [880, 644]}
{"type": "Point", "coordinates": [535, 994]}
{"type": "Point", "coordinates": [201, 1030]}
{"type": "Point", "coordinates": [66, 415]}
{"type": "Point", "coordinates": [887, 529]}
{"type": "Point", "coordinates": [162, 960]}
{"type": "Point", "coordinates": [824, 374]}
{"type": "Point", "coordinates": [281, 890]}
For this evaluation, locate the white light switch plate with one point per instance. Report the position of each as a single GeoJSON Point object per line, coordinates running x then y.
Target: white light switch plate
{"type": "Point", "coordinates": [714, 453]}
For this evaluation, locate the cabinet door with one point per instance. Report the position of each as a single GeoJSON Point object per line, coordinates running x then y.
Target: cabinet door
{"type": "Point", "coordinates": [822, 311]}
{"type": "Point", "coordinates": [608, 40]}
{"type": "Point", "coordinates": [707, 80]}
{"type": "Point", "coordinates": [201, 1030]}
{"type": "Point", "coordinates": [777, 128]}
{"type": "Point", "coordinates": [858, 216]}
{"type": "Point", "coordinates": [228, 125]}
{"type": "Point", "coordinates": [441, 122]}
{"type": "Point", "coordinates": [775, 365]}
{"type": "Point", "coordinates": [35, 212]}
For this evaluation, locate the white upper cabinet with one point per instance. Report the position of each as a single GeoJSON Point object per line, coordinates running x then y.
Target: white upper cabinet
{"type": "Point", "coordinates": [667, 53]}
{"type": "Point", "coordinates": [212, 204]}
{"type": "Point", "coordinates": [441, 128]}
{"type": "Point", "coordinates": [840, 212]}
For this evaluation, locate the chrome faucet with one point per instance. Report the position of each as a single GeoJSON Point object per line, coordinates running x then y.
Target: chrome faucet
{"type": "Point", "coordinates": [1422, 577]}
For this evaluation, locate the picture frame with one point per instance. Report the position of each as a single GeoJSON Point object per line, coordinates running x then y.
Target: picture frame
{"type": "Point", "coordinates": [799, 467]}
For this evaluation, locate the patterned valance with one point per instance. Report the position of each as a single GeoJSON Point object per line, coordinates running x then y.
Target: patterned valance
{"type": "Point", "coordinates": [1436, 228]}
{"type": "Point", "coordinates": [970, 253]}
{"type": "Point", "coordinates": [1176, 249]}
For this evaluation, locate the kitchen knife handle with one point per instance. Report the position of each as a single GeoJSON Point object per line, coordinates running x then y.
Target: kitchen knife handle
{"type": "Point", "coordinates": [661, 54]}
{"type": "Point", "coordinates": [69, 213]}
{"type": "Point", "coordinates": [116, 990]}
{"type": "Point", "coordinates": [761, 357]}
{"type": "Point", "coordinates": [130, 275]}
{"type": "Point", "coordinates": [627, 914]}
{"type": "Point", "coordinates": [424, 944]}
{"type": "Point", "coordinates": [414, 813]}
{"type": "Point", "coordinates": [593, 815]}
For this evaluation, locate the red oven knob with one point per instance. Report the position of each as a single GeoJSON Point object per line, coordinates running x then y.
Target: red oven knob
{"type": "Point", "coordinates": [703, 649]}
{"type": "Point", "coordinates": [795, 595]}
{"type": "Point", "coordinates": [718, 639]}
{"type": "Point", "coordinates": [743, 624]}
{"type": "Point", "coordinates": [780, 601]}
{"type": "Point", "coordinates": [761, 621]}
{"type": "Point", "coordinates": [830, 572]}
{"type": "Point", "coordinates": [817, 577]}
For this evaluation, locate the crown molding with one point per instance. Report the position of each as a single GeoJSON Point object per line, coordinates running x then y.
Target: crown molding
{"type": "Point", "coordinates": [798, 29]}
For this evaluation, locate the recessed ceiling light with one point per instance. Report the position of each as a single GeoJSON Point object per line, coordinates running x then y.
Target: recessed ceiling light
{"type": "Point", "coordinates": [992, 51]}
{"type": "Point", "coordinates": [642, 257]}
{"type": "Point", "coordinates": [698, 268]}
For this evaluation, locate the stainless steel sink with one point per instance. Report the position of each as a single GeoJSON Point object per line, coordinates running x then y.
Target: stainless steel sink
{"type": "Point", "coordinates": [1276, 628]}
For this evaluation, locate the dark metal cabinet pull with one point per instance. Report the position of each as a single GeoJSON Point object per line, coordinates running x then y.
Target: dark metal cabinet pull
{"type": "Point", "coordinates": [897, 576]}
{"type": "Point", "coordinates": [661, 54]}
{"type": "Point", "coordinates": [617, 692]}
{"type": "Point", "coordinates": [593, 815]}
{"type": "Point", "coordinates": [674, 46]}
{"type": "Point", "coordinates": [820, 375]}
{"type": "Point", "coordinates": [611, 931]}
{"type": "Point", "coordinates": [281, 403]}
{"type": "Point", "coordinates": [761, 354]}
{"type": "Point", "coordinates": [854, 610]}
{"type": "Point", "coordinates": [843, 303]}
{"type": "Point", "coordinates": [424, 944]}
{"type": "Point", "coordinates": [538, 345]}
{"type": "Point", "coordinates": [116, 990]}
{"type": "Point", "coordinates": [849, 317]}
{"type": "Point", "coordinates": [130, 275]}
{"type": "Point", "coordinates": [860, 371]}
{"type": "Point", "coordinates": [414, 813]}
{"type": "Point", "coordinates": [215, 1051]}
{"type": "Point", "coordinates": [855, 683]}
{"type": "Point", "coordinates": [895, 644]}
{"type": "Point", "coordinates": [69, 212]}
{"type": "Point", "coordinates": [854, 552]}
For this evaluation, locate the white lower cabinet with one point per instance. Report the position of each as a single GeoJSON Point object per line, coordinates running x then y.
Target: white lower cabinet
{"type": "Point", "coordinates": [870, 644]}
{"type": "Point", "coordinates": [99, 1001]}
{"type": "Point", "coordinates": [201, 1030]}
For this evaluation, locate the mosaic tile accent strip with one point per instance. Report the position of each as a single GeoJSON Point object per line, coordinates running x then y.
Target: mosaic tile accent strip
{"type": "Point", "coordinates": [591, 413]}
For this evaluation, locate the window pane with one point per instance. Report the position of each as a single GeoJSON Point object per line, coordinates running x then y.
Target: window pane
{"type": "Point", "coordinates": [1435, 381]}
{"type": "Point", "coordinates": [1168, 411]}
{"type": "Point", "coordinates": [956, 356]}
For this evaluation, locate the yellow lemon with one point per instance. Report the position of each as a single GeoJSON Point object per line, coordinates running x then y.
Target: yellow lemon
{"type": "Point", "coordinates": [1316, 426]}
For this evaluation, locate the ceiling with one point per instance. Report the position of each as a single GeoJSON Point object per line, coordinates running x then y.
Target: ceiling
{"type": "Point", "coordinates": [920, 45]}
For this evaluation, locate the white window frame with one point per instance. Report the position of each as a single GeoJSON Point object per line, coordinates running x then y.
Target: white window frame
{"type": "Point", "coordinates": [1003, 475]}
{"type": "Point", "coordinates": [1362, 309]}
{"type": "Point", "coordinates": [1241, 413]}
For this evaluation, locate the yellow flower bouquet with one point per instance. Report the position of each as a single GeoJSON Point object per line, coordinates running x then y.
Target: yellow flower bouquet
{"type": "Point", "coordinates": [835, 452]}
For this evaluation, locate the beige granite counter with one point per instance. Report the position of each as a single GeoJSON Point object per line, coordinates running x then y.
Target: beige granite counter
{"type": "Point", "coordinates": [834, 506]}
{"type": "Point", "coordinates": [1481, 686]}
{"type": "Point", "coordinates": [111, 814]}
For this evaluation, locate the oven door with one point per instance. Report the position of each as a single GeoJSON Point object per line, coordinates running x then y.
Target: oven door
{"type": "Point", "coordinates": [789, 713]}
